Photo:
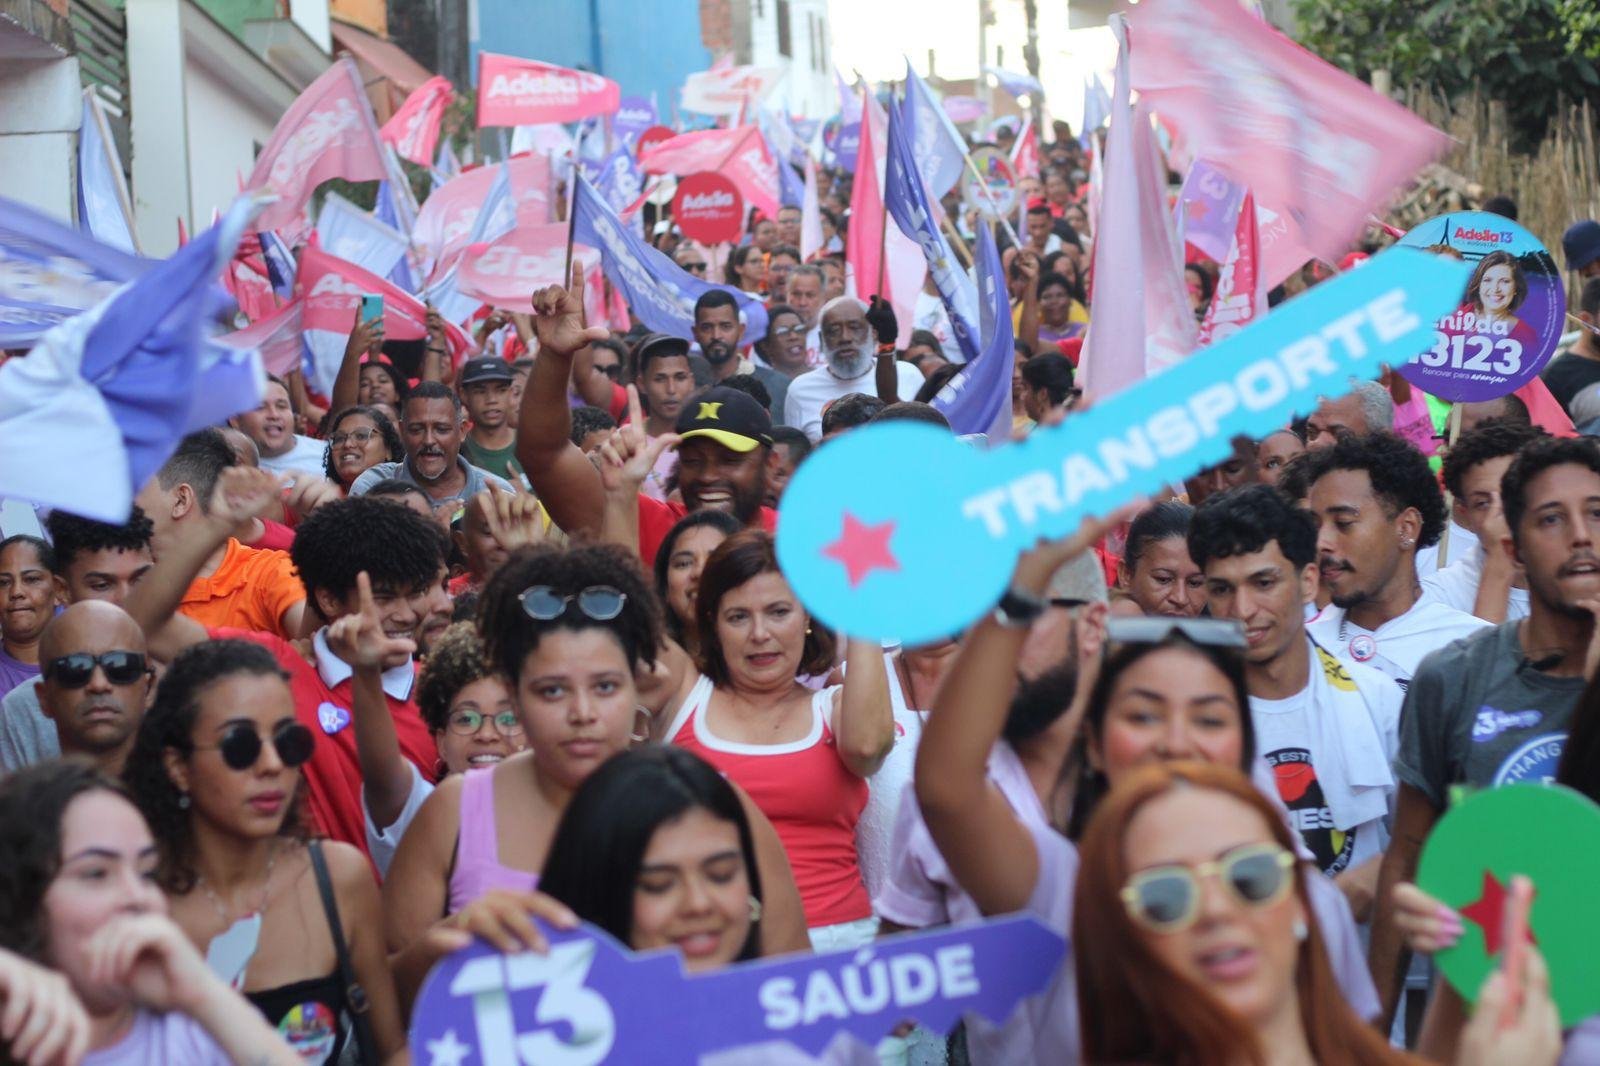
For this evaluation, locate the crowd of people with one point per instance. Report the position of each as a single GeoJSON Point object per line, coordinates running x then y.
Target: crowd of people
{"type": "Point", "coordinates": [508, 646]}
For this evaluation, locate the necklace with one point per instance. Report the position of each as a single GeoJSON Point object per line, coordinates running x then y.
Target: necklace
{"type": "Point", "coordinates": [222, 908]}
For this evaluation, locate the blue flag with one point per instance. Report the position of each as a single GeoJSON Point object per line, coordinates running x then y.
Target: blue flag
{"type": "Point", "coordinates": [102, 193]}
{"type": "Point", "coordinates": [658, 290]}
{"type": "Point", "coordinates": [939, 149]}
{"type": "Point", "coordinates": [49, 272]}
{"type": "Point", "coordinates": [978, 399]}
{"type": "Point", "coordinates": [906, 198]}
{"type": "Point", "coordinates": [107, 394]}
{"type": "Point", "coordinates": [281, 265]}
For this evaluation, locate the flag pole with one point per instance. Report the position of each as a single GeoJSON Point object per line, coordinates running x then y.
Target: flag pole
{"type": "Point", "coordinates": [572, 224]}
{"type": "Point", "coordinates": [987, 195]}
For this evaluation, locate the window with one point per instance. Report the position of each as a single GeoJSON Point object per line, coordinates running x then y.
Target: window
{"type": "Point", "coordinates": [785, 44]}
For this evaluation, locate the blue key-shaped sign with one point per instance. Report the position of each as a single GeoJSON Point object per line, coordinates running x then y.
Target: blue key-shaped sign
{"type": "Point", "coordinates": [589, 1000]}
{"type": "Point", "coordinates": [900, 532]}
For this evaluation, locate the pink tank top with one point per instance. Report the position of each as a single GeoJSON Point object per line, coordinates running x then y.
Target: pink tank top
{"type": "Point", "coordinates": [477, 866]}
{"type": "Point", "coordinates": [809, 795]}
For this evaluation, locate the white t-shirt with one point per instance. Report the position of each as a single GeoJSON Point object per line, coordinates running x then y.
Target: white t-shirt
{"type": "Point", "coordinates": [815, 389]}
{"type": "Point", "coordinates": [1399, 644]}
{"type": "Point", "coordinates": [381, 844]}
{"type": "Point", "coordinates": [307, 454]}
{"type": "Point", "coordinates": [1284, 740]}
{"type": "Point", "coordinates": [1457, 586]}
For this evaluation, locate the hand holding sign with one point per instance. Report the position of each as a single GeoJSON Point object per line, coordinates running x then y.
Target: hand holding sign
{"type": "Point", "coordinates": [588, 1000]}
{"type": "Point", "coordinates": [873, 556]}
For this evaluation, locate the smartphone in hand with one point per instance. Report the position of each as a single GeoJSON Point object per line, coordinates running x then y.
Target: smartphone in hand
{"type": "Point", "coordinates": [371, 306]}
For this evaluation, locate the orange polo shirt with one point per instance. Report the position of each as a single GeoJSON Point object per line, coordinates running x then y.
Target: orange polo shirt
{"type": "Point", "coordinates": [250, 590]}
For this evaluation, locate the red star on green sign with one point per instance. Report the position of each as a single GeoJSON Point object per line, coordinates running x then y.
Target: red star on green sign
{"type": "Point", "coordinates": [1488, 913]}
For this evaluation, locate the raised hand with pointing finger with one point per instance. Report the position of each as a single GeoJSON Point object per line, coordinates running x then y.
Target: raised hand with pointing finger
{"type": "Point", "coordinates": [629, 454]}
{"type": "Point", "coordinates": [360, 640]}
{"type": "Point", "coordinates": [558, 320]}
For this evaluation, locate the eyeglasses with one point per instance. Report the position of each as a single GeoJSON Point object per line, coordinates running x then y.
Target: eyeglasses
{"type": "Point", "coordinates": [241, 745]}
{"type": "Point", "coordinates": [1211, 631]}
{"type": "Point", "coordinates": [694, 268]}
{"type": "Point", "coordinates": [1166, 899]}
{"type": "Point", "coordinates": [359, 436]}
{"type": "Point", "coordinates": [835, 330]}
{"type": "Point", "coordinates": [74, 671]}
{"type": "Point", "coordinates": [466, 722]}
{"type": "Point", "coordinates": [602, 603]}
{"type": "Point", "coordinates": [613, 371]}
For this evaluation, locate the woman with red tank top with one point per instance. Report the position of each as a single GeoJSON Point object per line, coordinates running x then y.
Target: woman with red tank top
{"type": "Point", "coordinates": [802, 756]}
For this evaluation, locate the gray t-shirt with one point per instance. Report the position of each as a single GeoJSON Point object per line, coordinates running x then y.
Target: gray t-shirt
{"type": "Point", "coordinates": [1477, 713]}
{"type": "Point", "coordinates": [26, 735]}
{"type": "Point", "coordinates": [477, 479]}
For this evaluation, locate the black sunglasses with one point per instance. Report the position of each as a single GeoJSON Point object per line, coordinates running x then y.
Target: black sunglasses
{"type": "Point", "coordinates": [74, 671]}
{"type": "Point", "coordinates": [241, 745]}
{"type": "Point", "coordinates": [695, 268]}
{"type": "Point", "coordinates": [613, 371]}
{"type": "Point", "coordinates": [602, 603]}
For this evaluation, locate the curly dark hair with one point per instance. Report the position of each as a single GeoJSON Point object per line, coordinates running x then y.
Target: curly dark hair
{"type": "Point", "coordinates": [1399, 473]}
{"type": "Point", "coordinates": [32, 803]}
{"type": "Point", "coordinates": [587, 420]}
{"type": "Point", "coordinates": [1534, 459]}
{"type": "Point", "coordinates": [1487, 440]}
{"type": "Point", "coordinates": [722, 520]}
{"type": "Point", "coordinates": [399, 549]}
{"type": "Point", "coordinates": [73, 535]}
{"type": "Point", "coordinates": [1246, 519]}
{"type": "Point", "coordinates": [510, 635]}
{"type": "Point", "coordinates": [391, 435]}
{"type": "Point", "coordinates": [849, 411]}
{"type": "Point", "coordinates": [455, 661]}
{"type": "Point", "coordinates": [169, 723]}
{"type": "Point", "coordinates": [743, 556]}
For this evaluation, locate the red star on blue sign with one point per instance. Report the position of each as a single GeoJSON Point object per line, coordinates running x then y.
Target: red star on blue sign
{"type": "Point", "coordinates": [863, 549]}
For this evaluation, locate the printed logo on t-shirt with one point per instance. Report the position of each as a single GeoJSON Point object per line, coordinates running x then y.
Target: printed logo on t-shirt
{"type": "Point", "coordinates": [1534, 763]}
{"type": "Point", "coordinates": [311, 1030]}
{"type": "Point", "coordinates": [1491, 722]}
{"type": "Point", "coordinates": [332, 718]}
{"type": "Point", "coordinates": [1301, 792]}
{"type": "Point", "coordinates": [1334, 671]}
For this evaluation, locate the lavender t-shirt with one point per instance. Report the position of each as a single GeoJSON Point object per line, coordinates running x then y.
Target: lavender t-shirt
{"type": "Point", "coordinates": [14, 673]}
{"type": "Point", "coordinates": [154, 1037]}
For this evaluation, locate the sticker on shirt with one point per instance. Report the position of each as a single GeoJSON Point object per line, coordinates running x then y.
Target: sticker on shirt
{"type": "Point", "coordinates": [1491, 722]}
{"type": "Point", "coordinates": [1534, 763]}
{"type": "Point", "coordinates": [332, 718]}
{"type": "Point", "coordinates": [1334, 671]}
{"type": "Point", "coordinates": [311, 1030]}
{"type": "Point", "coordinates": [1362, 648]}
{"type": "Point", "coordinates": [1301, 792]}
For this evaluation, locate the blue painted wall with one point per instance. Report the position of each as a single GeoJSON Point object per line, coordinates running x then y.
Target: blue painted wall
{"type": "Point", "coordinates": [644, 45]}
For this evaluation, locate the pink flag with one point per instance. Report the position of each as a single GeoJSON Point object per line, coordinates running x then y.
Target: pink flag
{"type": "Point", "coordinates": [329, 132]}
{"type": "Point", "coordinates": [863, 242]}
{"type": "Point", "coordinates": [1241, 295]}
{"type": "Point", "coordinates": [525, 92]}
{"type": "Point", "coordinates": [1316, 146]}
{"type": "Point", "coordinates": [1025, 153]}
{"type": "Point", "coordinates": [1142, 320]}
{"type": "Point", "coordinates": [445, 221]}
{"type": "Point", "coordinates": [728, 90]}
{"type": "Point", "coordinates": [740, 154]}
{"type": "Point", "coordinates": [506, 272]}
{"type": "Point", "coordinates": [414, 129]}
{"type": "Point", "coordinates": [276, 336]}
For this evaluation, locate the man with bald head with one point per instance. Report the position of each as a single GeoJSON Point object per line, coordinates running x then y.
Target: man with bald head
{"type": "Point", "coordinates": [94, 681]}
{"type": "Point", "coordinates": [849, 348]}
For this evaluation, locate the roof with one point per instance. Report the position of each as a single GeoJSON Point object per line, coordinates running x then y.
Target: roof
{"type": "Point", "coordinates": [380, 60]}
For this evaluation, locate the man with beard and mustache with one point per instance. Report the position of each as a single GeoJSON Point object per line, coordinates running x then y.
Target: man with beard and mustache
{"type": "Point", "coordinates": [1377, 504]}
{"type": "Point", "coordinates": [432, 426]}
{"type": "Point", "coordinates": [1327, 730]}
{"type": "Point", "coordinates": [725, 471]}
{"type": "Point", "coordinates": [718, 331]}
{"type": "Point", "coordinates": [95, 682]}
{"type": "Point", "coordinates": [850, 348]}
{"type": "Point", "coordinates": [1494, 709]}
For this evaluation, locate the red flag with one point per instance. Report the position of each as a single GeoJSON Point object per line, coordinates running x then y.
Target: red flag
{"type": "Point", "coordinates": [525, 92]}
{"type": "Point", "coordinates": [328, 132]}
{"type": "Point", "coordinates": [1316, 146]}
{"type": "Point", "coordinates": [1544, 410]}
{"type": "Point", "coordinates": [414, 129]}
{"type": "Point", "coordinates": [863, 243]}
{"type": "Point", "coordinates": [1241, 295]}
{"type": "Point", "coordinates": [741, 156]}
{"type": "Point", "coordinates": [277, 337]}
{"type": "Point", "coordinates": [1025, 153]}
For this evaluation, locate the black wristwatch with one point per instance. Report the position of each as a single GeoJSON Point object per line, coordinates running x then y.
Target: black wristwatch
{"type": "Point", "coordinates": [1018, 610]}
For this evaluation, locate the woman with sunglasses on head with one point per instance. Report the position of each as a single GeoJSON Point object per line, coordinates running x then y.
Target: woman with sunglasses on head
{"type": "Point", "coordinates": [360, 438]}
{"type": "Point", "coordinates": [571, 630]}
{"type": "Point", "coordinates": [1167, 697]}
{"type": "Point", "coordinates": [292, 923]}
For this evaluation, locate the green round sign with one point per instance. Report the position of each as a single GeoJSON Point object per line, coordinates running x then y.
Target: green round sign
{"type": "Point", "coordinates": [1551, 835]}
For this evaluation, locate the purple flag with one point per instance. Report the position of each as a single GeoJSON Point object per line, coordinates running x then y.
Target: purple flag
{"type": "Point", "coordinates": [1208, 209]}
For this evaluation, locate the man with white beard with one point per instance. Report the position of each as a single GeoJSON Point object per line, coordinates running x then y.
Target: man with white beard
{"type": "Point", "coordinates": [850, 352]}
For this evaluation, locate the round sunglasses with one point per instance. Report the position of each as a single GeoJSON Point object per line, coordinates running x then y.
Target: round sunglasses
{"type": "Point", "coordinates": [1166, 899]}
{"type": "Point", "coordinates": [74, 671]}
{"type": "Point", "coordinates": [241, 745]}
{"type": "Point", "coordinates": [601, 603]}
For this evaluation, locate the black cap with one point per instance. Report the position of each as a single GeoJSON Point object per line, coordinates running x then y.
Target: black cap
{"type": "Point", "coordinates": [484, 368]}
{"type": "Point", "coordinates": [663, 345]}
{"type": "Point", "coordinates": [731, 418]}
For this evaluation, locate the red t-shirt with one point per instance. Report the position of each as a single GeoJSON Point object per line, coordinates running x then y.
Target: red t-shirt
{"type": "Point", "coordinates": [333, 776]}
{"type": "Point", "coordinates": [656, 520]}
{"type": "Point", "coordinates": [275, 536]}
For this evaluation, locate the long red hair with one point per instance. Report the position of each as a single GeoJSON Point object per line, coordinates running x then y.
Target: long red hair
{"type": "Point", "coordinates": [1133, 1007]}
